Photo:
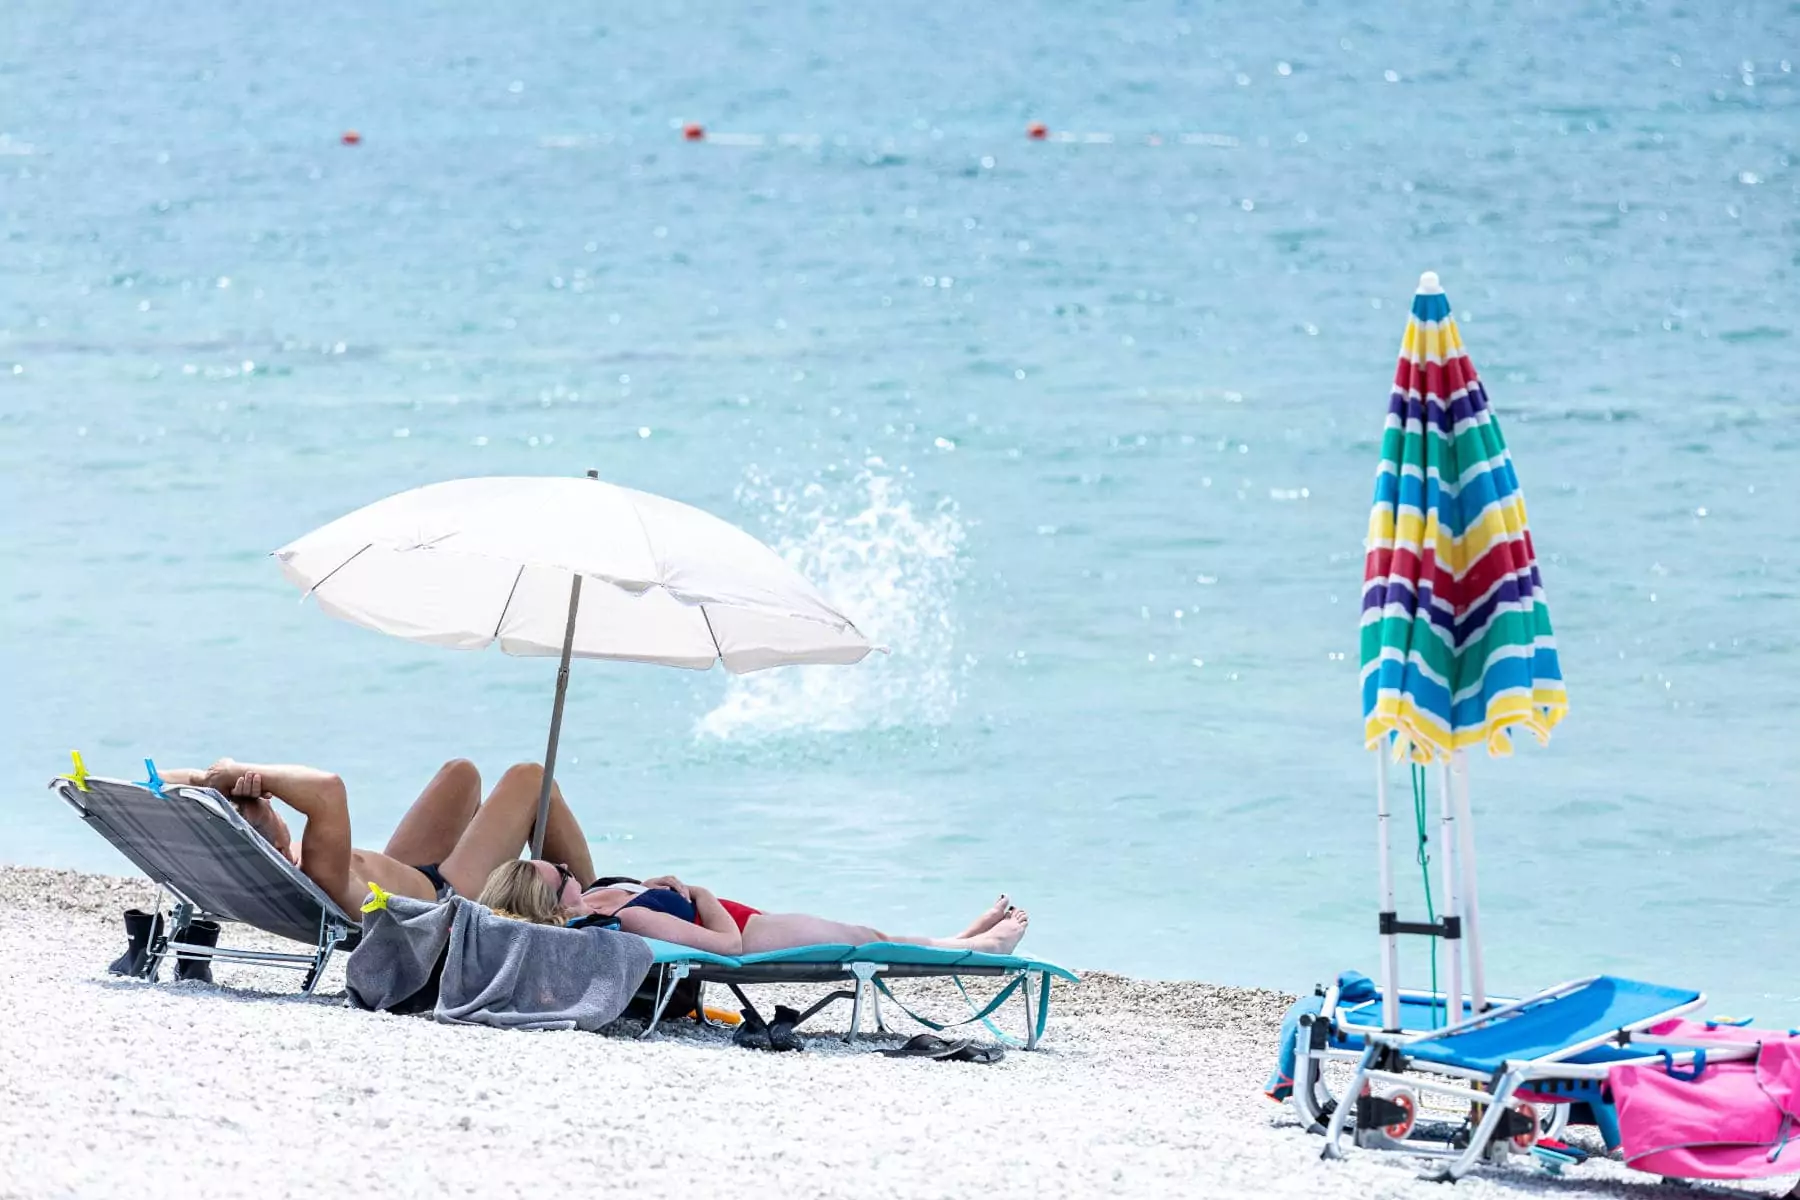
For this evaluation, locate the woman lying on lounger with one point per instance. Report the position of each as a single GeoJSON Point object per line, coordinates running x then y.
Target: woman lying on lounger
{"type": "Point", "coordinates": [448, 841]}
{"type": "Point", "coordinates": [548, 893]}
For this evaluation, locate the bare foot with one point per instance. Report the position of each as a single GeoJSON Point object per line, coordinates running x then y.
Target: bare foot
{"type": "Point", "coordinates": [1006, 933]}
{"type": "Point", "coordinates": [988, 919]}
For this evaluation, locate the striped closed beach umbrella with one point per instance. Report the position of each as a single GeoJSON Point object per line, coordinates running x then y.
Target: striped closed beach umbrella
{"type": "Point", "coordinates": [1456, 640]}
{"type": "Point", "coordinates": [1457, 648]}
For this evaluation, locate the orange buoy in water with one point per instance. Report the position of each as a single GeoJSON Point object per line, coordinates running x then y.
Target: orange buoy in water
{"type": "Point", "coordinates": [694, 132]}
{"type": "Point", "coordinates": [351, 138]}
{"type": "Point", "coordinates": [1037, 131]}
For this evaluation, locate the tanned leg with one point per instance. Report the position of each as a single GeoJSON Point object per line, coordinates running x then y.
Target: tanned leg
{"type": "Point", "coordinates": [503, 827]}
{"type": "Point", "coordinates": [784, 931]}
{"type": "Point", "coordinates": [431, 827]}
{"type": "Point", "coordinates": [988, 919]}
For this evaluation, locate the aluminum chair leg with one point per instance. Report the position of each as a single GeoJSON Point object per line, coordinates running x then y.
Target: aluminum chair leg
{"type": "Point", "coordinates": [1031, 1039]}
{"type": "Point", "coordinates": [1484, 1132]}
{"type": "Point", "coordinates": [1308, 1083]}
{"type": "Point", "coordinates": [329, 937]}
{"type": "Point", "coordinates": [865, 980]}
{"type": "Point", "coordinates": [1334, 1133]}
{"type": "Point", "coordinates": [180, 914]}
{"type": "Point", "coordinates": [673, 974]}
{"type": "Point", "coordinates": [317, 970]}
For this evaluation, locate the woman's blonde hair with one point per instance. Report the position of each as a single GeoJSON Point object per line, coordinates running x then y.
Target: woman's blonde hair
{"type": "Point", "coordinates": [516, 890]}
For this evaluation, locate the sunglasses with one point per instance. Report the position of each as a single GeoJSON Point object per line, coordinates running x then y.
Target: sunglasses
{"type": "Point", "coordinates": [563, 875]}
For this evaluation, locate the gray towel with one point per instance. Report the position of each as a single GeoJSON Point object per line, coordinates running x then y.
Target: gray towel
{"type": "Point", "coordinates": [496, 971]}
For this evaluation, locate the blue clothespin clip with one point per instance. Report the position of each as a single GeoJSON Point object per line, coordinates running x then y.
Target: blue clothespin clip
{"type": "Point", "coordinates": [1733, 1022]}
{"type": "Point", "coordinates": [155, 781]}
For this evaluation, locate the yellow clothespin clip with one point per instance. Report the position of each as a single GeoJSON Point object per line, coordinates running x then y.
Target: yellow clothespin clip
{"type": "Point", "coordinates": [80, 775]}
{"type": "Point", "coordinates": [377, 898]}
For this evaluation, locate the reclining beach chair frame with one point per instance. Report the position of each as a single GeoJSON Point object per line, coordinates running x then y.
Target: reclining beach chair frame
{"type": "Point", "coordinates": [1491, 1087]}
{"type": "Point", "coordinates": [866, 969]}
{"type": "Point", "coordinates": [1339, 1033]}
{"type": "Point", "coordinates": [201, 853]}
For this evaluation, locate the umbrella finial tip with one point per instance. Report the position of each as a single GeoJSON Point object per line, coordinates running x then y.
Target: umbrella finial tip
{"type": "Point", "coordinates": [1428, 282]}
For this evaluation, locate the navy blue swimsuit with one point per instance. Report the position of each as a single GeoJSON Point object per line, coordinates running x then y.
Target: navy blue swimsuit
{"type": "Point", "coordinates": [662, 900]}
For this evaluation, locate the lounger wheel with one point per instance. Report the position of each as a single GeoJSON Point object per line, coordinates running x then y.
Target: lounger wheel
{"type": "Point", "coordinates": [1407, 1102]}
{"type": "Point", "coordinates": [1553, 1119]}
{"type": "Point", "coordinates": [1389, 1113]}
{"type": "Point", "coordinates": [1524, 1141]}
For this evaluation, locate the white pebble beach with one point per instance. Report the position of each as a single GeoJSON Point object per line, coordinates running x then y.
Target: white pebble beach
{"type": "Point", "coordinates": [114, 1087]}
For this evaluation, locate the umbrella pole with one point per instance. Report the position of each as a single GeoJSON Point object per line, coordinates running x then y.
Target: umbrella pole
{"type": "Point", "coordinates": [556, 711]}
{"type": "Point", "coordinates": [1449, 910]}
{"type": "Point", "coordinates": [1390, 940]}
{"type": "Point", "coordinates": [1459, 776]}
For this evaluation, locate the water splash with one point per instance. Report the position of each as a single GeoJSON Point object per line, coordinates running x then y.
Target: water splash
{"type": "Point", "coordinates": [894, 571]}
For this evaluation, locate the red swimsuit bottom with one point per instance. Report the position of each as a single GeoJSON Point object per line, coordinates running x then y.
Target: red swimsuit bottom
{"type": "Point", "coordinates": [741, 913]}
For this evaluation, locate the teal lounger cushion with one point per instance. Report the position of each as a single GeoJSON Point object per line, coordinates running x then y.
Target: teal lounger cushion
{"type": "Point", "coordinates": [825, 952]}
{"type": "Point", "coordinates": [667, 952]}
{"type": "Point", "coordinates": [882, 953]}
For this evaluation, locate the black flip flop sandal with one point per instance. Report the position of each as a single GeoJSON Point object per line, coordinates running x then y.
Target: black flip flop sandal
{"type": "Point", "coordinates": [927, 1045]}
{"type": "Point", "coordinates": [974, 1053]}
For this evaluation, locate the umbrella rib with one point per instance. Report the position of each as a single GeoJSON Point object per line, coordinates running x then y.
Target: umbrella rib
{"type": "Point", "coordinates": [508, 604]}
{"type": "Point", "coordinates": [315, 587]}
{"type": "Point", "coordinates": [704, 616]}
{"type": "Point", "coordinates": [655, 559]}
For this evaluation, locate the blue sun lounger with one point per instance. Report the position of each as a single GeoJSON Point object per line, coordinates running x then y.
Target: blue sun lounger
{"type": "Point", "coordinates": [1338, 1030]}
{"type": "Point", "coordinates": [1547, 1044]}
{"type": "Point", "coordinates": [867, 968]}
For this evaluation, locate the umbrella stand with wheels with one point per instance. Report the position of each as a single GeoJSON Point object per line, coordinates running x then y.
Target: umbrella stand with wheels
{"type": "Point", "coordinates": [503, 559]}
{"type": "Point", "coordinates": [1457, 647]}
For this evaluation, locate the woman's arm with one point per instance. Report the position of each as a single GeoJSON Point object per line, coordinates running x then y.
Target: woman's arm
{"type": "Point", "coordinates": [710, 913]}
{"type": "Point", "coordinates": [662, 926]}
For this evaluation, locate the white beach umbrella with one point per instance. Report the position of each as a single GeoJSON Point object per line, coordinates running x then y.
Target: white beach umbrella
{"type": "Point", "coordinates": [472, 562]}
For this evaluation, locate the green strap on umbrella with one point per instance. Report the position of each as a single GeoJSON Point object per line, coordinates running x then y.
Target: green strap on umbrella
{"type": "Point", "coordinates": [1424, 857]}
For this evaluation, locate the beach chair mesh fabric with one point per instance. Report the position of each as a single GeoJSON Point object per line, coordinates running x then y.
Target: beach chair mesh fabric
{"type": "Point", "coordinates": [195, 843]}
{"type": "Point", "coordinates": [1550, 1028]}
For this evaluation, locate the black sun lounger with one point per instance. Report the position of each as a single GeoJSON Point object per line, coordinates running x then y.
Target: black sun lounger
{"type": "Point", "coordinates": [196, 847]}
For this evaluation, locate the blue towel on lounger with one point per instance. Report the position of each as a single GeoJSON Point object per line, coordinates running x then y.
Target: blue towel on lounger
{"type": "Point", "coordinates": [1353, 988]}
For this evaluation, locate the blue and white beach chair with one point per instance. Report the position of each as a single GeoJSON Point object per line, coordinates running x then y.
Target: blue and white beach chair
{"type": "Point", "coordinates": [866, 968]}
{"type": "Point", "coordinates": [1546, 1044]}
{"type": "Point", "coordinates": [197, 848]}
{"type": "Point", "coordinates": [1335, 1026]}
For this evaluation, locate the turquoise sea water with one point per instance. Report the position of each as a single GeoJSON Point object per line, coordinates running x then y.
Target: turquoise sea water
{"type": "Point", "coordinates": [1085, 431]}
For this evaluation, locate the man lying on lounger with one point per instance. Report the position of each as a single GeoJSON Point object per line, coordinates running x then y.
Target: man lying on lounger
{"type": "Point", "coordinates": [448, 841]}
